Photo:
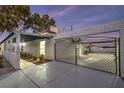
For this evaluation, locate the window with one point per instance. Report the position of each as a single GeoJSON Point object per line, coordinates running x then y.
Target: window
{"type": "Point", "coordinates": [13, 48]}
{"type": "Point", "coordinates": [8, 45]}
{"type": "Point", "coordinates": [14, 40]}
{"type": "Point", "coordinates": [8, 41]}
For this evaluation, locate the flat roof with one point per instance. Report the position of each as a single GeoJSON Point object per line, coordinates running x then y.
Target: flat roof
{"type": "Point", "coordinates": [7, 37]}
{"type": "Point", "coordinates": [34, 34]}
{"type": "Point", "coordinates": [27, 36]}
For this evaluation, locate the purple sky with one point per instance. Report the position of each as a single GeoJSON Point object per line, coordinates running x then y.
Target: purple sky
{"type": "Point", "coordinates": [80, 16]}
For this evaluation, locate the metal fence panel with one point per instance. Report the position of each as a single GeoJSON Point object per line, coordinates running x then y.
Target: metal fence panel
{"type": "Point", "coordinates": [65, 51]}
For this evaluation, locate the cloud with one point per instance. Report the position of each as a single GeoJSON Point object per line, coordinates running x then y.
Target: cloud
{"type": "Point", "coordinates": [61, 12]}
{"type": "Point", "coordinates": [86, 22]}
{"type": "Point", "coordinates": [83, 16]}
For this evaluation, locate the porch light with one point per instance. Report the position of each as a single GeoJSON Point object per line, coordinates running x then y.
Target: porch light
{"type": "Point", "coordinates": [76, 41]}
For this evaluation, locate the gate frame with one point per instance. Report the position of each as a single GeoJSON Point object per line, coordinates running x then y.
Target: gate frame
{"type": "Point", "coordinates": [119, 63]}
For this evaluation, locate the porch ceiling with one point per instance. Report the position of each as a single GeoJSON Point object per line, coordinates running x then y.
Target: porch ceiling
{"type": "Point", "coordinates": [26, 38]}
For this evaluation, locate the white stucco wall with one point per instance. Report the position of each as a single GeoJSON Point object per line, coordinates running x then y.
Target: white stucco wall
{"type": "Point", "coordinates": [49, 49]}
{"type": "Point", "coordinates": [122, 51]}
{"type": "Point", "coordinates": [12, 57]}
{"type": "Point", "coordinates": [32, 47]}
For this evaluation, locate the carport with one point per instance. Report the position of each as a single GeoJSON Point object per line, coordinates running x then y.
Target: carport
{"type": "Point", "coordinates": [98, 51]}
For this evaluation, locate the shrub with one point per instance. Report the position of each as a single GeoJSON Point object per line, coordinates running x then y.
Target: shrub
{"type": "Point", "coordinates": [34, 57]}
{"type": "Point", "coordinates": [26, 55]}
{"type": "Point", "coordinates": [41, 57]}
{"type": "Point", "coordinates": [23, 54]}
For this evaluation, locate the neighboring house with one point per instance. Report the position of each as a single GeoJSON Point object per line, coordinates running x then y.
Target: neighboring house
{"type": "Point", "coordinates": [100, 47]}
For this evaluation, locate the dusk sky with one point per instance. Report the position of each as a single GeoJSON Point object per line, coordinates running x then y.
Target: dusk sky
{"type": "Point", "coordinates": [80, 16]}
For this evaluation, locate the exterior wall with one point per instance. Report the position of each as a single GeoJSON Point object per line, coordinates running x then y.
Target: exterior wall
{"type": "Point", "coordinates": [49, 50]}
{"type": "Point", "coordinates": [13, 57]}
{"type": "Point", "coordinates": [32, 47]}
{"type": "Point", "coordinates": [122, 52]}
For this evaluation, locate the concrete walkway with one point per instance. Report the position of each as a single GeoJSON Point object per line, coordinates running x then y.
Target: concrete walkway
{"type": "Point", "coordinates": [59, 75]}
{"type": "Point", "coordinates": [7, 68]}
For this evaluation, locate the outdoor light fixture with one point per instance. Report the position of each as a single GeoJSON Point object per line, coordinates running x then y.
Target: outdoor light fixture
{"type": "Point", "coordinates": [76, 40]}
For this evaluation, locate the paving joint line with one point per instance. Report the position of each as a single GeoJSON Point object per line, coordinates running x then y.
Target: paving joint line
{"type": "Point", "coordinates": [30, 79]}
{"type": "Point", "coordinates": [59, 76]}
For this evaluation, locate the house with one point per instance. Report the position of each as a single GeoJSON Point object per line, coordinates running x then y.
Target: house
{"type": "Point", "coordinates": [31, 43]}
{"type": "Point", "coordinates": [99, 47]}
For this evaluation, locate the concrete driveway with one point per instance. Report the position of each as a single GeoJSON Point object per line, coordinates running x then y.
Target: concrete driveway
{"type": "Point", "coordinates": [59, 75]}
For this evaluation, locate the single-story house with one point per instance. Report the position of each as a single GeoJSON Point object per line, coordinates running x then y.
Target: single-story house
{"type": "Point", "coordinates": [31, 43]}
{"type": "Point", "coordinates": [99, 47]}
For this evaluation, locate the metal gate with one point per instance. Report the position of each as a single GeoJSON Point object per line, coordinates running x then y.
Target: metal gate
{"type": "Point", "coordinates": [65, 51]}
{"type": "Point", "coordinates": [99, 53]}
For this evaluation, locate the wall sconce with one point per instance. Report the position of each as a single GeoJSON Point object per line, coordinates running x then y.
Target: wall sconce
{"type": "Point", "coordinates": [76, 41]}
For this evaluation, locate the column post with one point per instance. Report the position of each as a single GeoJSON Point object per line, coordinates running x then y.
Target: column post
{"type": "Point", "coordinates": [18, 40]}
{"type": "Point", "coordinates": [121, 51]}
